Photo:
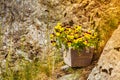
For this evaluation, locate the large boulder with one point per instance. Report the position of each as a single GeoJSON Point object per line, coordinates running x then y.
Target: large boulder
{"type": "Point", "coordinates": [108, 66]}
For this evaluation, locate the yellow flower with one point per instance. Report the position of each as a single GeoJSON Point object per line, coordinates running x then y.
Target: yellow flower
{"type": "Point", "coordinates": [76, 35]}
{"type": "Point", "coordinates": [54, 44]}
{"type": "Point", "coordinates": [70, 37]}
{"type": "Point", "coordinates": [85, 42]}
{"type": "Point", "coordinates": [58, 26]}
{"type": "Point", "coordinates": [66, 32]}
{"type": "Point", "coordinates": [77, 28]}
{"type": "Point", "coordinates": [69, 44]}
{"type": "Point", "coordinates": [57, 34]}
{"type": "Point", "coordinates": [75, 41]}
{"type": "Point", "coordinates": [80, 39]}
{"type": "Point", "coordinates": [51, 36]}
{"type": "Point", "coordinates": [88, 36]}
{"type": "Point", "coordinates": [70, 30]}
{"type": "Point", "coordinates": [88, 44]}
{"type": "Point", "coordinates": [62, 29]}
{"type": "Point", "coordinates": [71, 33]}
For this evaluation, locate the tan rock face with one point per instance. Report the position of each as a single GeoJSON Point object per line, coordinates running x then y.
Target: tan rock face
{"type": "Point", "coordinates": [108, 67]}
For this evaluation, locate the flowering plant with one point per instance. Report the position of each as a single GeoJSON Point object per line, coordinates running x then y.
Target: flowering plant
{"type": "Point", "coordinates": [72, 36]}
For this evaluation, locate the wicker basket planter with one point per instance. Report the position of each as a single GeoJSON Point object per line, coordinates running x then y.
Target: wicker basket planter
{"type": "Point", "coordinates": [74, 58]}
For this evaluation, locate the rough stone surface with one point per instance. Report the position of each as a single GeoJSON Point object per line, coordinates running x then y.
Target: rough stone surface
{"type": "Point", "coordinates": [66, 67]}
{"type": "Point", "coordinates": [70, 77]}
{"type": "Point", "coordinates": [108, 66]}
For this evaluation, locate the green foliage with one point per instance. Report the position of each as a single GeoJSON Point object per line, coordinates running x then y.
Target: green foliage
{"type": "Point", "coordinates": [37, 69]}
{"type": "Point", "coordinates": [29, 71]}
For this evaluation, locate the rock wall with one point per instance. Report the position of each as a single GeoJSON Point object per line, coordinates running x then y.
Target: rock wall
{"type": "Point", "coordinates": [108, 66]}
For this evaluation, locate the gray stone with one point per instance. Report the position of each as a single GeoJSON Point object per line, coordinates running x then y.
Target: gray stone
{"type": "Point", "coordinates": [108, 66]}
{"type": "Point", "coordinates": [70, 77]}
{"type": "Point", "coordinates": [66, 67]}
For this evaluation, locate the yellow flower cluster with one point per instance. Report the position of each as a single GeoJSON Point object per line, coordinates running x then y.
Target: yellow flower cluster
{"type": "Point", "coordinates": [59, 28]}
{"type": "Point", "coordinates": [72, 36]}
